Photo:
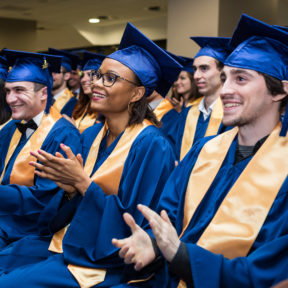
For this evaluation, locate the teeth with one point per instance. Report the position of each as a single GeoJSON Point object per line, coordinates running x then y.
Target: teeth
{"type": "Point", "coordinates": [228, 105]}
{"type": "Point", "coordinates": [98, 95]}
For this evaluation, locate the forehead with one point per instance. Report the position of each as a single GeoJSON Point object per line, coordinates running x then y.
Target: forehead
{"type": "Point", "coordinates": [24, 84]}
{"type": "Point", "coordinates": [235, 71]}
{"type": "Point", "coordinates": [111, 65]}
{"type": "Point", "coordinates": [204, 60]}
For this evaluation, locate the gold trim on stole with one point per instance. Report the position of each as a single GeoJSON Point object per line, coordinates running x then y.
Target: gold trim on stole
{"type": "Point", "coordinates": [164, 107]}
{"type": "Point", "coordinates": [85, 121]}
{"type": "Point", "coordinates": [108, 177]}
{"type": "Point", "coordinates": [191, 124]}
{"type": "Point", "coordinates": [63, 99]}
{"type": "Point", "coordinates": [238, 220]}
{"type": "Point", "coordinates": [23, 173]}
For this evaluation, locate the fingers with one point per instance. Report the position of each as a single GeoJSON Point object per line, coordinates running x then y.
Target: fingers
{"type": "Point", "coordinates": [80, 159]}
{"type": "Point", "coordinates": [148, 213]}
{"type": "Point", "coordinates": [68, 151]}
{"type": "Point", "coordinates": [129, 220]}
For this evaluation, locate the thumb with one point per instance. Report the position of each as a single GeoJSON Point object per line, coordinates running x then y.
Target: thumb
{"type": "Point", "coordinates": [80, 159]}
{"type": "Point", "coordinates": [165, 216]}
{"type": "Point", "coordinates": [129, 220]}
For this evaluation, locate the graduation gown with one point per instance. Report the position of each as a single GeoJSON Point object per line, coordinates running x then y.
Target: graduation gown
{"type": "Point", "coordinates": [20, 205]}
{"type": "Point", "coordinates": [98, 217]}
{"type": "Point", "coordinates": [268, 253]}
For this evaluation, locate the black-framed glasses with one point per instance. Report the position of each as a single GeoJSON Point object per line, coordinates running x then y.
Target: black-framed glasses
{"type": "Point", "coordinates": [108, 79]}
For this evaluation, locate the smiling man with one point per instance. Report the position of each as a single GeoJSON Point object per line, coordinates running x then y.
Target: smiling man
{"type": "Point", "coordinates": [228, 198]}
{"type": "Point", "coordinates": [35, 126]}
{"type": "Point", "coordinates": [203, 116]}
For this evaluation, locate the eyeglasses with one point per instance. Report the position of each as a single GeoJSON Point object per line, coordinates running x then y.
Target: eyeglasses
{"type": "Point", "coordinates": [108, 79]}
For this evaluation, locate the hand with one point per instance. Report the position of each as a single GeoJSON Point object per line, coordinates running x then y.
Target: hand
{"type": "Point", "coordinates": [163, 230]}
{"type": "Point", "coordinates": [137, 248]}
{"type": "Point", "coordinates": [61, 170]}
{"type": "Point", "coordinates": [177, 104]}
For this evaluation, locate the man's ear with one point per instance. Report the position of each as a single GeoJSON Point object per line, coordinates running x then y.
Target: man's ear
{"type": "Point", "coordinates": [138, 93]}
{"type": "Point", "coordinates": [285, 85]}
{"type": "Point", "coordinates": [67, 76]}
{"type": "Point", "coordinates": [43, 94]}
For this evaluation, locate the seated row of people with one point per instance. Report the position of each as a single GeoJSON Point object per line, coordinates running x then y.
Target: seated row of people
{"type": "Point", "coordinates": [223, 209]}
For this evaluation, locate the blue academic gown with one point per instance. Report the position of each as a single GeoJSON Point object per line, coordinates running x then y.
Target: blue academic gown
{"type": "Point", "coordinates": [266, 257]}
{"type": "Point", "coordinates": [98, 217]}
{"type": "Point", "coordinates": [169, 128]}
{"type": "Point", "coordinates": [20, 205]}
{"type": "Point", "coordinates": [69, 106]}
{"type": "Point", "coordinates": [201, 128]}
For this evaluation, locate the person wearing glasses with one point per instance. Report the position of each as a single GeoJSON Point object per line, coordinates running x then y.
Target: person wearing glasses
{"type": "Point", "coordinates": [127, 161]}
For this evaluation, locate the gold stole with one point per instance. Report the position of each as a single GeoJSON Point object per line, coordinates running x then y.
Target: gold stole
{"type": "Point", "coordinates": [191, 124]}
{"type": "Point", "coordinates": [85, 121]}
{"type": "Point", "coordinates": [108, 177]}
{"type": "Point", "coordinates": [63, 99]}
{"type": "Point", "coordinates": [164, 107]}
{"type": "Point", "coordinates": [23, 173]}
{"type": "Point", "coordinates": [238, 220]}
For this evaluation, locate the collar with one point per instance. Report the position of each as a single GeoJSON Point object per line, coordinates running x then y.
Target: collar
{"type": "Point", "coordinates": [201, 107]}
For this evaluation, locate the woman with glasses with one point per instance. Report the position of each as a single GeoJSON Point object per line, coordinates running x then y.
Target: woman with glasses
{"type": "Point", "coordinates": [127, 161]}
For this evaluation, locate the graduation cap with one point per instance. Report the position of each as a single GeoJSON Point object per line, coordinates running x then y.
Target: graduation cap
{"type": "Point", "coordinates": [153, 66]}
{"type": "Point", "coordinates": [187, 64]}
{"type": "Point", "coordinates": [3, 68]}
{"type": "Point", "coordinates": [33, 67]}
{"type": "Point", "coordinates": [70, 60]}
{"type": "Point", "coordinates": [260, 47]}
{"type": "Point", "coordinates": [92, 61]}
{"type": "Point", "coordinates": [215, 47]}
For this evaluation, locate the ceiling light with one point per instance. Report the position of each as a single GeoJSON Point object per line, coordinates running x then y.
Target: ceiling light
{"type": "Point", "coordinates": [94, 20]}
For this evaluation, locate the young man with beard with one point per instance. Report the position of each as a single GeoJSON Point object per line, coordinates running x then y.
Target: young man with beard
{"type": "Point", "coordinates": [228, 198]}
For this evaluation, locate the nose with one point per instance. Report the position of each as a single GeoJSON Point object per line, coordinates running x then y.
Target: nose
{"type": "Point", "coordinates": [10, 97]}
{"type": "Point", "coordinates": [227, 88]}
{"type": "Point", "coordinates": [96, 82]}
{"type": "Point", "coordinates": [197, 74]}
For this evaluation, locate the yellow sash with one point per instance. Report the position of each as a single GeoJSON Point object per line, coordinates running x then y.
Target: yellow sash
{"type": "Point", "coordinates": [23, 173]}
{"type": "Point", "coordinates": [242, 213]}
{"type": "Point", "coordinates": [164, 107]}
{"type": "Point", "coordinates": [108, 177]}
{"type": "Point", "coordinates": [191, 124]}
{"type": "Point", "coordinates": [63, 99]}
{"type": "Point", "coordinates": [85, 121]}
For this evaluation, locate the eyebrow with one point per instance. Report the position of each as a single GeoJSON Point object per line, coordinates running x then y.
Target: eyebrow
{"type": "Point", "coordinates": [239, 71]}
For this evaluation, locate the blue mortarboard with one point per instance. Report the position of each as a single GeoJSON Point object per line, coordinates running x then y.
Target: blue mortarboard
{"type": "Point", "coordinates": [215, 47]}
{"type": "Point", "coordinates": [92, 61]}
{"type": "Point", "coordinates": [187, 64]}
{"type": "Point", "coordinates": [152, 65]}
{"type": "Point", "coordinates": [33, 67]}
{"type": "Point", "coordinates": [70, 60]}
{"type": "Point", "coordinates": [260, 47]}
{"type": "Point", "coordinates": [3, 68]}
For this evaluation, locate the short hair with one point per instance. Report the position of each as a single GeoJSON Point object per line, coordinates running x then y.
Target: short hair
{"type": "Point", "coordinates": [219, 65]}
{"type": "Point", "coordinates": [38, 86]}
{"type": "Point", "coordinates": [275, 87]}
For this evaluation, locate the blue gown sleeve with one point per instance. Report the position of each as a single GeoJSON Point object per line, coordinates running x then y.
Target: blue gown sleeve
{"type": "Point", "coordinates": [17, 201]}
{"type": "Point", "coordinates": [147, 167]}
